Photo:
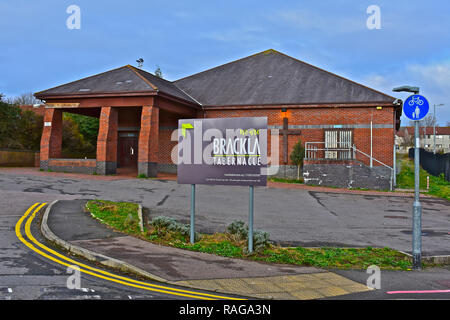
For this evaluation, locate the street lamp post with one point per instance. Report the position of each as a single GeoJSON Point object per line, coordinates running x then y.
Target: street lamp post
{"type": "Point", "coordinates": [417, 207]}
{"type": "Point", "coordinates": [434, 127]}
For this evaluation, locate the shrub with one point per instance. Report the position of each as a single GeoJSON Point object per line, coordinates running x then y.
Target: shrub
{"type": "Point", "coordinates": [162, 223]}
{"type": "Point", "coordinates": [238, 228]}
{"type": "Point", "coordinates": [261, 239]}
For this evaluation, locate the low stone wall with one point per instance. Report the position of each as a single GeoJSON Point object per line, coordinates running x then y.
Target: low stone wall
{"type": "Point", "coordinates": [347, 176]}
{"type": "Point", "coordinates": [167, 168]}
{"type": "Point", "coordinates": [88, 166]}
{"type": "Point", "coordinates": [17, 158]}
{"type": "Point", "coordinates": [286, 172]}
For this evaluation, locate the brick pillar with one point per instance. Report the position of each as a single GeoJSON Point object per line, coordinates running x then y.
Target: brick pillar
{"type": "Point", "coordinates": [148, 142]}
{"type": "Point", "coordinates": [107, 141]}
{"type": "Point", "coordinates": [51, 140]}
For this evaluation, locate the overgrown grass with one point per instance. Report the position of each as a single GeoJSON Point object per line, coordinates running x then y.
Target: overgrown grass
{"type": "Point", "coordinates": [121, 216]}
{"type": "Point", "coordinates": [300, 181]}
{"type": "Point", "coordinates": [405, 179]}
{"type": "Point", "coordinates": [117, 215]}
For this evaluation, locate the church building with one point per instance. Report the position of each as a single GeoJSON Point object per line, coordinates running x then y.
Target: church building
{"type": "Point", "coordinates": [347, 129]}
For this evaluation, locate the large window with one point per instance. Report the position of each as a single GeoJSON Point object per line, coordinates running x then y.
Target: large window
{"type": "Point", "coordinates": [338, 142]}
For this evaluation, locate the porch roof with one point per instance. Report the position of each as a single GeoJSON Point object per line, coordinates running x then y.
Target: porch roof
{"type": "Point", "coordinates": [123, 80]}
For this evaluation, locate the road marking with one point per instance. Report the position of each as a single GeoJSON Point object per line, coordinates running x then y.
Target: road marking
{"type": "Point", "coordinates": [127, 281]}
{"type": "Point", "coordinates": [419, 291]}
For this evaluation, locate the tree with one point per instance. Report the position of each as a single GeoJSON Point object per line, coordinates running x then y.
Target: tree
{"type": "Point", "coordinates": [158, 72]}
{"type": "Point", "coordinates": [88, 126]}
{"type": "Point", "coordinates": [24, 99]}
{"type": "Point", "coordinates": [19, 129]}
{"type": "Point", "coordinates": [297, 155]}
{"type": "Point", "coordinates": [408, 140]}
{"type": "Point", "coordinates": [74, 144]}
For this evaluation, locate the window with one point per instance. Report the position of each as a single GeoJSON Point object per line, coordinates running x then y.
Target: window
{"type": "Point", "coordinates": [339, 142]}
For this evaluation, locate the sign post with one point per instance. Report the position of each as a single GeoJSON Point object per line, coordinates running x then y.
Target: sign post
{"type": "Point", "coordinates": [192, 213]}
{"type": "Point", "coordinates": [416, 108]}
{"type": "Point", "coordinates": [250, 220]}
{"type": "Point", "coordinates": [224, 151]}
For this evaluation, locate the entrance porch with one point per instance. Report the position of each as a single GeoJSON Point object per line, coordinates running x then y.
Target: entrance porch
{"type": "Point", "coordinates": [132, 140]}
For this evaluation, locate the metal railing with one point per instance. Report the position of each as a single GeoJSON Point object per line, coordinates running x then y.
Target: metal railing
{"type": "Point", "coordinates": [342, 151]}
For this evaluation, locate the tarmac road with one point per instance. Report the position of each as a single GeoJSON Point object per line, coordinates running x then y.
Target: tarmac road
{"type": "Point", "coordinates": [27, 275]}
{"type": "Point", "coordinates": [291, 216]}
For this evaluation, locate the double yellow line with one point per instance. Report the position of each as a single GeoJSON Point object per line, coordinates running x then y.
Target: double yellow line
{"type": "Point", "coordinates": [99, 273]}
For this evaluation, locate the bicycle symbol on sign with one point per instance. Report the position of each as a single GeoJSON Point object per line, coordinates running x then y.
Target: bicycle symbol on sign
{"type": "Point", "coordinates": [415, 100]}
{"type": "Point", "coordinates": [418, 102]}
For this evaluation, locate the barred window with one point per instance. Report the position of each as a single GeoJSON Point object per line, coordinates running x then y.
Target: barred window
{"type": "Point", "coordinates": [336, 141]}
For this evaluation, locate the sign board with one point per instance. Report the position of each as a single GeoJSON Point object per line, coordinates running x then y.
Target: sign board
{"type": "Point", "coordinates": [416, 107]}
{"type": "Point", "coordinates": [224, 151]}
{"type": "Point", "coordinates": [61, 105]}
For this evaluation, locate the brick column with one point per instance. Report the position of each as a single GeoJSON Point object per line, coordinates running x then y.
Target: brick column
{"type": "Point", "coordinates": [107, 141]}
{"type": "Point", "coordinates": [148, 142]}
{"type": "Point", "coordinates": [51, 140]}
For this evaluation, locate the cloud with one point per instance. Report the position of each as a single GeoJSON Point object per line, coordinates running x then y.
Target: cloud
{"type": "Point", "coordinates": [330, 23]}
{"type": "Point", "coordinates": [432, 78]}
{"type": "Point", "coordinates": [436, 75]}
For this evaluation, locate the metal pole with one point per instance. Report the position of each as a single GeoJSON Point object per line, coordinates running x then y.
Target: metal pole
{"type": "Point", "coordinates": [192, 213]}
{"type": "Point", "coordinates": [395, 165]}
{"type": "Point", "coordinates": [371, 161]}
{"type": "Point", "coordinates": [434, 130]}
{"type": "Point", "coordinates": [250, 220]}
{"type": "Point", "coordinates": [417, 207]}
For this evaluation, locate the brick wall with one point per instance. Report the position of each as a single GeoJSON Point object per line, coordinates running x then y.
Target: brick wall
{"type": "Point", "coordinates": [17, 158]}
{"type": "Point", "coordinates": [73, 165]}
{"type": "Point", "coordinates": [326, 117]}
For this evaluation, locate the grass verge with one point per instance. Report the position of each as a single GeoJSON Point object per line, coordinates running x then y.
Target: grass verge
{"type": "Point", "coordinates": [122, 216]}
{"type": "Point", "coordinates": [300, 181]}
{"type": "Point", "coordinates": [439, 187]}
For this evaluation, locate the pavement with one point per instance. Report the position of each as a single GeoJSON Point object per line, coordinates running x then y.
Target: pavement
{"type": "Point", "coordinates": [291, 214]}
{"type": "Point", "coordinates": [69, 221]}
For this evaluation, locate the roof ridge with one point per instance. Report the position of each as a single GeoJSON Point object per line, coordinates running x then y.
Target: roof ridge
{"type": "Point", "coordinates": [172, 83]}
{"type": "Point", "coordinates": [71, 82]}
{"type": "Point", "coordinates": [295, 59]}
{"type": "Point", "coordinates": [134, 69]}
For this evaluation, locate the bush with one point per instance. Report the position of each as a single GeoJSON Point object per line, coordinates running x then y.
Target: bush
{"type": "Point", "coordinates": [261, 239]}
{"type": "Point", "coordinates": [162, 223]}
{"type": "Point", "coordinates": [238, 228]}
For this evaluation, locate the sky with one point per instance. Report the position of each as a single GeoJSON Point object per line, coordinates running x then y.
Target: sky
{"type": "Point", "coordinates": [411, 47]}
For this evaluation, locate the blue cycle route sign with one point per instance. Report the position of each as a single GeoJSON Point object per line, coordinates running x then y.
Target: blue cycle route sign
{"type": "Point", "coordinates": [416, 107]}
